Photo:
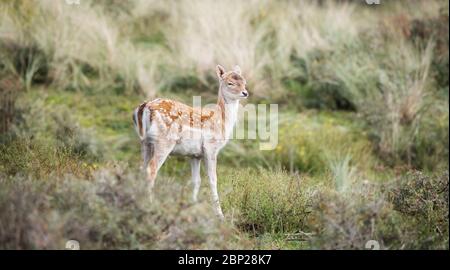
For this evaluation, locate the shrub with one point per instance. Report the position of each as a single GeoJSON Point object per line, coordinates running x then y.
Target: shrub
{"type": "Point", "coordinates": [430, 148]}
{"type": "Point", "coordinates": [38, 158]}
{"type": "Point", "coordinates": [264, 201]}
{"type": "Point", "coordinates": [424, 199]}
{"type": "Point", "coordinates": [56, 124]}
{"type": "Point", "coordinates": [348, 220]}
{"type": "Point", "coordinates": [390, 87]}
{"type": "Point", "coordinates": [421, 30]}
{"type": "Point", "coordinates": [46, 140]}
{"type": "Point", "coordinates": [406, 213]}
{"type": "Point", "coordinates": [112, 212]}
{"type": "Point", "coordinates": [313, 87]}
{"type": "Point", "coordinates": [387, 74]}
{"type": "Point", "coordinates": [10, 87]}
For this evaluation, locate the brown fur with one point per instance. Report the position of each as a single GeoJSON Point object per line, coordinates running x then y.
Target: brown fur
{"type": "Point", "coordinates": [176, 112]}
{"type": "Point", "coordinates": [139, 114]}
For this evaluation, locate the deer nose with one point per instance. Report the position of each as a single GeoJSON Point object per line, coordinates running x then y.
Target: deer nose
{"type": "Point", "coordinates": [245, 93]}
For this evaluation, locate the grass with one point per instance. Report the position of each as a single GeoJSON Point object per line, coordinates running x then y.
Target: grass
{"type": "Point", "coordinates": [362, 150]}
{"type": "Point", "coordinates": [112, 212]}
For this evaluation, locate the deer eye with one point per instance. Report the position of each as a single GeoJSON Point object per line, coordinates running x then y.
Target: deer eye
{"type": "Point", "coordinates": [230, 84]}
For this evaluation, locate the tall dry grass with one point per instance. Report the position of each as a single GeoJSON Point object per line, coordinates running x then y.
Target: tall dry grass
{"type": "Point", "coordinates": [85, 43]}
{"type": "Point", "coordinates": [261, 37]}
{"type": "Point", "coordinates": [339, 51]}
{"type": "Point", "coordinates": [391, 87]}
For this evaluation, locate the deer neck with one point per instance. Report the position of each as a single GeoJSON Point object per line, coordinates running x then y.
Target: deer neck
{"type": "Point", "coordinates": [228, 112]}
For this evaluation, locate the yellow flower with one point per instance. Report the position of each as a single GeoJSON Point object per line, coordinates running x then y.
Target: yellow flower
{"type": "Point", "coordinates": [302, 152]}
{"type": "Point", "coordinates": [279, 148]}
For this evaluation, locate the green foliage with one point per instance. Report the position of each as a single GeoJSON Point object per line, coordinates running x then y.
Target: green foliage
{"type": "Point", "coordinates": [39, 159]}
{"type": "Point", "coordinates": [424, 199]}
{"type": "Point", "coordinates": [27, 61]}
{"type": "Point", "coordinates": [406, 213]}
{"type": "Point", "coordinates": [311, 90]}
{"type": "Point", "coordinates": [437, 28]}
{"type": "Point", "coordinates": [349, 220]}
{"type": "Point", "coordinates": [307, 143]}
{"type": "Point", "coordinates": [267, 201]}
{"type": "Point", "coordinates": [431, 149]}
{"type": "Point", "coordinates": [57, 126]}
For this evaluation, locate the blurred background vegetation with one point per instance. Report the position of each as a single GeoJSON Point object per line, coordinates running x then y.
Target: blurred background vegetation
{"type": "Point", "coordinates": [363, 140]}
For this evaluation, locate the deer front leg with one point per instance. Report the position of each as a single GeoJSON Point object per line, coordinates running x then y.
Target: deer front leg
{"type": "Point", "coordinates": [196, 179]}
{"type": "Point", "coordinates": [211, 164]}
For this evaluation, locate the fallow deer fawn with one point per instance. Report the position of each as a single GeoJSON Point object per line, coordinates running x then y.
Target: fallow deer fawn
{"type": "Point", "coordinates": [169, 127]}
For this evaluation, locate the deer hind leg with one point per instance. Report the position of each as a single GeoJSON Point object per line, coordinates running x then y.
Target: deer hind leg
{"type": "Point", "coordinates": [161, 151]}
{"type": "Point", "coordinates": [147, 152]}
{"type": "Point", "coordinates": [196, 179]}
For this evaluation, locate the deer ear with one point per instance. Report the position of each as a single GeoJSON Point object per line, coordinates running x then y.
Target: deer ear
{"type": "Point", "coordinates": [220, 71]}
{"type": "Point", "coordinates": [237, 69]}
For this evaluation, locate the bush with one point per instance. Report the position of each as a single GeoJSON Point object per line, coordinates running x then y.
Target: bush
{"type": "Point", "coordinates": [390, 87]}
{"type": "Point", "coordinates": [407, 213]}
{"type": "Point", "coordinates": [47, 140]}
{"type": "Point", "coordinates": [10, 87]}
{"type": "Point", "coordinates": [266, 201]}
{"type": "Point", "coordinates": [55, 125]}
{"type": "Point", "coordinates": [387, 74]}
{"type": "Point", "coordinates": [112, 212]}
{"type": "Point", "coordinates": [430, 149]}
{"type": "Point", "coordinates": [312, 89]}
{"type": "Point", "coordinates": [27, 61]}
{"type": "Point", "coordinates": [39, 158]}
{"type": "Point", "coordinates": [421, 30]}
{"type": "Point", "coordinates": [349, 220]}
{"type": "Point", "coordinates": [424, 198]}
